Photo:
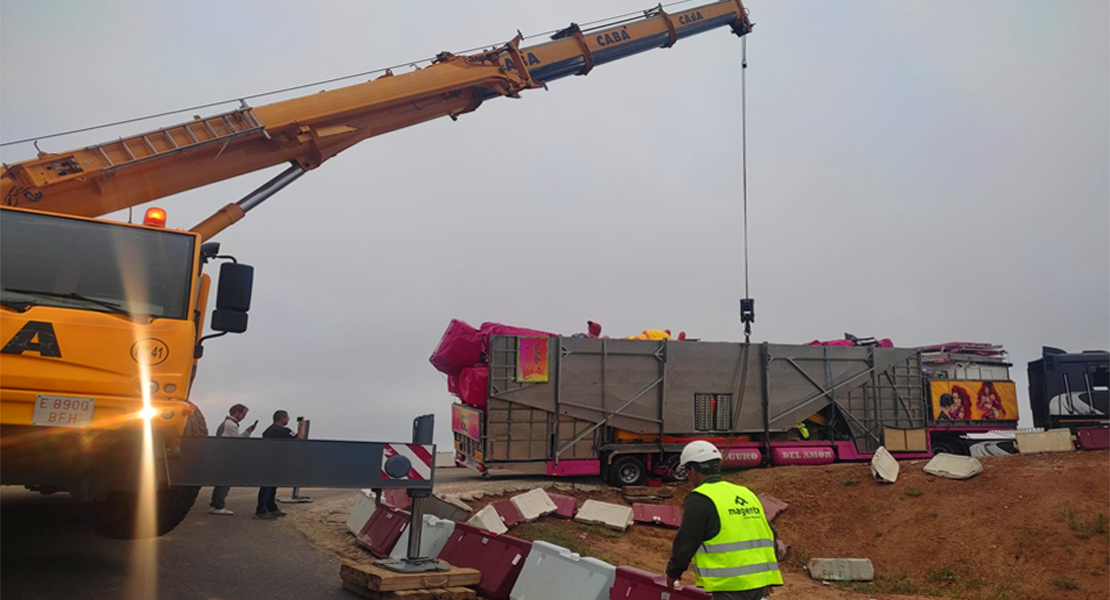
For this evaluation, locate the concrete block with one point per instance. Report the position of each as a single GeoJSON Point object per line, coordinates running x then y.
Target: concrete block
{"type": "Point", "coordinates": [361, 511]}
{"type": "Point", "coordinates": [953, 466]}
{"type": "Point", "coordinates": [841, 569]}
{"type": "Point", "coordinates": [613, 516]}
{"type": "Point", "coordinates": [433, 537]}
{"type": "Point", "coordinates": [534, 504]}
{"type": "Point", "coordinates": [488, 519]}
{"type": "Point", "coordinates": [883, 466]}
{"type": "Point", "coordinates": [1037, 442]}
{"type": "Point", "coordinates": [554, 573]}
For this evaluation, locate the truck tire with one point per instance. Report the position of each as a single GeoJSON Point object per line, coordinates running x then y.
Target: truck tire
{"type": "Point", "coordinates": [949, 445]}
{"type": "Point", "coordinates": [115, 516]}
{"type": "Point", "coordinates": [627, 470]}
{"type": "Point", "coordinates": [671, 465]}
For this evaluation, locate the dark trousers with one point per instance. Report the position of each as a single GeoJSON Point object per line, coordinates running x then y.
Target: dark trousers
{"type": "Point", "coordinates": [746, 595]}
{"type": "Point", "coordinates": [219, 497]}
{"type": "Point", "coordinates": [267, 500]}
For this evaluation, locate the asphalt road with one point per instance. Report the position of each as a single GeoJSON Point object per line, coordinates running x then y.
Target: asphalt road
{"type": "Point", "coordinates": [48, 552]}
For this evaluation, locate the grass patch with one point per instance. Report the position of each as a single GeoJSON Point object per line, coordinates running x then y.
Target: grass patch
{"type": "Point", "coordinates": [892, 583]}
{"type": "Point", "coordinates": [1083, 529]}
{"type": "Point", "coordinates": [849, 482]}
{"type": "Point", "coordinates": [603, 531]}
{"type": "Point", "coordinates": [540, 530]}
{"type": "Point", "coordinates": [944, 574]}
{"type": "Point", "coordinates": [914, 492]}
{"type": "Point", "coordinates": [803, 556]}
{"type": "Point", "coordinates": [878, 534]}
{"type": "Point", "coordinates": [1065, 583]}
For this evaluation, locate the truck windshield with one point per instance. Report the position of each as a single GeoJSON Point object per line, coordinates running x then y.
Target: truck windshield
{"type": "Point", "coordinates": [48, 260]}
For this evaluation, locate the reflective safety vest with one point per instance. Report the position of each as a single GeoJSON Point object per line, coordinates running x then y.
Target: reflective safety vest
{"type": "Point", "coordinates": [742, 556]}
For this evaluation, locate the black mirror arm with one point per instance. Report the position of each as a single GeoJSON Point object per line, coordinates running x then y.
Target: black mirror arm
{"type": "Point", "coordinates": [198, 350]}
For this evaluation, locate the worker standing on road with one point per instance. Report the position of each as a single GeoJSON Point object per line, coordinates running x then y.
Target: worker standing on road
{"type": "Point", "coordinates": [267, 496]}
{"type": "Point", "coordinates": [229, 428]}
{"type": "Point", "coordinates": [724, 531]}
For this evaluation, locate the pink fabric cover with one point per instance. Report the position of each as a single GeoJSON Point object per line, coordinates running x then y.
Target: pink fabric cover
{"type": "Point", "coordinates": [458, 348]}
{"type": "Point", "coordinates": [832, 343]}
{"type": "Point", "coordinates": [463, 346]}
{"type": "Point", "coordinates": [474, 386]}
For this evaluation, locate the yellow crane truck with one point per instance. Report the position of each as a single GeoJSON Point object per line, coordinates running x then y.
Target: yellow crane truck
{"type": "Point", "coordinates": [102, 322]}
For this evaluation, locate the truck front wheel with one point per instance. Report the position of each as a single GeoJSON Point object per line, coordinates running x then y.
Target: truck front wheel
{"type": "Point", "coordinates": [116, 517]}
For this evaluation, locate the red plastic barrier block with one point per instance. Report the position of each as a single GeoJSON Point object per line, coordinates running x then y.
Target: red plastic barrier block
{"type": "Point", "coordinates": [1094, 438]}
{"type": "Point", "coordinates": [396, 499]}
{"type": "Point", "coordinates": [499, 558]}
{"type": "Point", "coordinates": [772, 506]}
{"type": "Point", "coordinates": [667, 516]}
{"type": "Point", "coordinates": [568, 506]}
{"type": "Point", "coordinates": [635, 584]}
{"type": "Point", "coordinates": [381, 532]}
{"type": "Point", "coordinates": [509, 513]}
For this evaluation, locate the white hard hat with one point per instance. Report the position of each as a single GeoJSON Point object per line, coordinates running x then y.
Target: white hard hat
{"type": "Point", "coordinates": [699, 451]}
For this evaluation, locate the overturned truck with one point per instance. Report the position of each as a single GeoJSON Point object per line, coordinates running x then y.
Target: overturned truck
{"type": "Point", "coordinates": [624, 408]}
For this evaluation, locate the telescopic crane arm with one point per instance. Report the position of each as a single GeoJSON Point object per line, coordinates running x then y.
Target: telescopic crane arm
{"type": "Point", "coordinates": [308, 130]}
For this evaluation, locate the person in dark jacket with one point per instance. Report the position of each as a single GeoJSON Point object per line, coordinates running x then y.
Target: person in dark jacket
{"type": "Point", "coordinates": [267, 508]}
{"type": "Point", "coordinates": [724, 532]}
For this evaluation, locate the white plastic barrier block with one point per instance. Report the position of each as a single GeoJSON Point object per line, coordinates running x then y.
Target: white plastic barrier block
{"type": "Point", "coordinates": [488, 519]}
{"type": "Point", "coordinates": [554, 573]}
{"type": "Point", "coordinates": [433, 537]}
{"type": "Point", "coordinates": [1036, 442]}
{"type": "Point", "coordinates": [953, 466]}
{"type": "Point", "coordinates": [534, 504]}
{"type": "Point", "coordinates": [841, 569]}
{"type": "Point", "coordinates": [361, 511]}
{"type": "Point", "coordinates": [613, 516]}
{"type": "Point", "coordinates": [883, 466]}
{"type": "Point", "coordinates": [451, 509]}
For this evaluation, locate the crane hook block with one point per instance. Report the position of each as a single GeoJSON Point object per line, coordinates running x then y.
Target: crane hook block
{"type": "Point", "coordinates": [747, 310]}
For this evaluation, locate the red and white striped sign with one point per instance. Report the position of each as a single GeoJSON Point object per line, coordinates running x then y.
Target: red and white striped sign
{"type": "Point", "coordinates": [421, 457]}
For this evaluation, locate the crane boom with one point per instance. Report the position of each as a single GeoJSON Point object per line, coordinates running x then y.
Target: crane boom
{"type": "Point", "coordinates": [308, 130]}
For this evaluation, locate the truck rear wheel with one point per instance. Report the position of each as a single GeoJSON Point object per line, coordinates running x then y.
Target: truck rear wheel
{"type": "Point", "coordinates": [627, 470]}
{"type": "Point", "coordinates": [949, 445]}
{"type": "Point", "coordinates": [116, 516]}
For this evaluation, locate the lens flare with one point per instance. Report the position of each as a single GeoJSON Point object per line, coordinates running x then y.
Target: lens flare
{"type": "Point", "coordinates": [143, 576]}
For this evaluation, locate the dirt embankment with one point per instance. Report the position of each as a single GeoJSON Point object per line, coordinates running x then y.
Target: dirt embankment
{"type": "Point", "coordinates": [1028, 527]}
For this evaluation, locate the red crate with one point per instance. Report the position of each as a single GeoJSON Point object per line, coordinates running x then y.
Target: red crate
{"type": "Point", "coordinates": [498, 557]}
{"type": "Point", "coordinates": [635, 584]}
{"type": "Point", "coordinates": [381, 532]}
{"type": "Point", "coordinates": [509, 513]}
{"type": "Point", "coordinates": [1094, 438]}
{"type": "Point", "coordinates": [567, 505]}
{"type": "Point", "coordinates": [655, 514]}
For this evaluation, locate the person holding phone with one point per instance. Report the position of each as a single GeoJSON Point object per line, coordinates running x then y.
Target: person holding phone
{"type": "Point", "coordinates": [229, 428]}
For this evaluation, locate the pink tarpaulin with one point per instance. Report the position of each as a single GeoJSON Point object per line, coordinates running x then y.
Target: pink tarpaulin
{"type": "Point", "coordinates": [463, 346]}
{"type": "Point", "coordinates": [474, 385]}
{"type": "Point", "coordinates": [459, 347]}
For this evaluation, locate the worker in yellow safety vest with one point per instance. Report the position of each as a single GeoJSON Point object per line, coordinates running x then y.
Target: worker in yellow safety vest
{"type": "Point", "coordinates": [724, 532]}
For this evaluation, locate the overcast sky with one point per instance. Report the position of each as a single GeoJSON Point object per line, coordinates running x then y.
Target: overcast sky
{"type": "Point", "coordinates": [927, 172]}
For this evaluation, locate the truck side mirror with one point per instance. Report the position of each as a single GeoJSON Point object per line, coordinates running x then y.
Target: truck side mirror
{"type": "Point", "coordinates": [233, 298]}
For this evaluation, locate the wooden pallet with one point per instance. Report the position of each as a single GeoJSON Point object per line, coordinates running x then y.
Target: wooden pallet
{"type": "Point", "coordinates": [376, 579]}
{"type": "Point", "coordinates": [451, 593]}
